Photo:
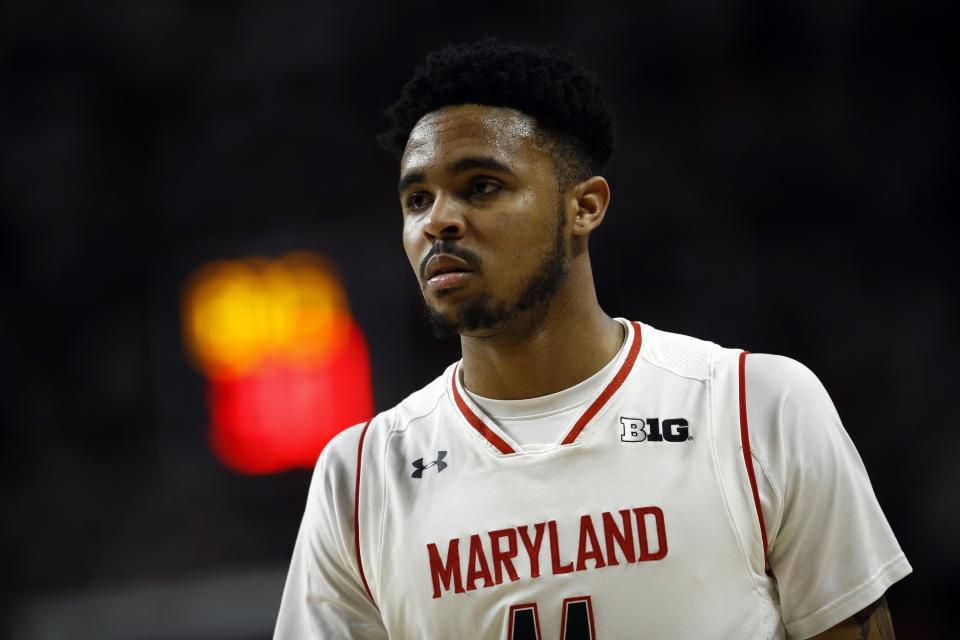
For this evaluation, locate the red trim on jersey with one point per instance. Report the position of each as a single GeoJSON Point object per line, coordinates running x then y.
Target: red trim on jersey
{"type": "Point", "coordinates": [475, 420]}
{"type": "Point", "coordinates": [536, 618]}
{"type": "Point", "coordinates": [588, 415]}
{"type": "Point", "coordinates": [563, 620]}
{"type": "Point", "coordinates": [356, 514]}
{"type": "Point", "coordinates": [748, 457]}
{"type": "Point", "coordinates": [615, 384]}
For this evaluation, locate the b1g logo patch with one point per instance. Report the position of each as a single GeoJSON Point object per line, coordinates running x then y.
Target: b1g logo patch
{"type": "Point", "coordinates": [652, 430]}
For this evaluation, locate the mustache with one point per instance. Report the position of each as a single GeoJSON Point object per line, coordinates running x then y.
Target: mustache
{"type": "Point", "coordinates": [452, 249]}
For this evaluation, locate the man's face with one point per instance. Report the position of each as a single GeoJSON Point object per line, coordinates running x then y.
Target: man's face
{"type": "Point", "coordinates": [483, 223]}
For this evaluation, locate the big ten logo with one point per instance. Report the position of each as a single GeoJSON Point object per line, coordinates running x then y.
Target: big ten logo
{"type": "Point", "coordinates": [653, 430]}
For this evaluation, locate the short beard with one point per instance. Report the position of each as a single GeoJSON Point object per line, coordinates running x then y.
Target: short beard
{"type": "Point", "coordinates": [484, 313]}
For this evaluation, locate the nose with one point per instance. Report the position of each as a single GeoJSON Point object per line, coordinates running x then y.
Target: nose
{"type": "Point", "coordinates": [445, 220]}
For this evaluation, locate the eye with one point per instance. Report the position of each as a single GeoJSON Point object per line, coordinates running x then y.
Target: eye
{"type": "Point", "coordinates": [418, 200]}
{"type": "Point", "coordinates": [484, 187]}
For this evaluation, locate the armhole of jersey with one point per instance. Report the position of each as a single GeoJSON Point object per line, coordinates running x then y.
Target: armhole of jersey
{"type": "Point", "coordinates": [748, 458]}
{"type": "Point", "coordinates": [356, 515]}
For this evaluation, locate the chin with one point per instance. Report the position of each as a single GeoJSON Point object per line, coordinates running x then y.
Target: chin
{"type": "Point", "coordinates": [475, 317]}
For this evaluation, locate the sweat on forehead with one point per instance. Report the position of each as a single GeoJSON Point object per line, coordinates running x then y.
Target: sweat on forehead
{"type": "Point", "coordinates": [501, 128]}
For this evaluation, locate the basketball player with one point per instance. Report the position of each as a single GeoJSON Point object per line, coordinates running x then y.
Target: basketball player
{"type": "Point", "coordinates": [574, 476]}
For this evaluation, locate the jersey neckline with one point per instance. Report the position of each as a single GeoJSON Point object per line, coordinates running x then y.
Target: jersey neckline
{"type": "Point", "coordinates": [480, 422]}
{"type": "Point", "coordinates": [567, 399]}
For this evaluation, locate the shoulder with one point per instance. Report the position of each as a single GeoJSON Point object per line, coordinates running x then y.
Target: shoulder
{"type": "Point", "coordinates": [342, 452]}
{"type": "Point", "coordinates": [784, 398]}
{"type": "Point", "coordinates": [690, 357]}
{"type": "Point", "coordinates": [785, 395]}
{"type": "Point", "coordinates": [780, 377]}
{"type": "Point", "coordinates": [421, 403]}
{"type": "Point", "coordinates": [678, 354]}
{"type": "Point", "coordinates": [334, 473]}
{"type": "Point", "coordinates": [791, 416]}
{"type": "Point", "coordinates": [359, 447]}
{"type": "Point", "coordinates": [795, 429]}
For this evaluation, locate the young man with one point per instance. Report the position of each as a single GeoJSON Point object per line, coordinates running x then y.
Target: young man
{"type": "Point", "coordinates": [574, 475]}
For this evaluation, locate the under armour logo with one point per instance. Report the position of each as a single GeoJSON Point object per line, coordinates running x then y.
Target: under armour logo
{"type": "Point", "coordinates": [438, 463]}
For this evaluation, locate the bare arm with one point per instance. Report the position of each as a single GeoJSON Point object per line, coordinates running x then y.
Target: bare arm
{"type": "Point", "coordinates": [871, 623]}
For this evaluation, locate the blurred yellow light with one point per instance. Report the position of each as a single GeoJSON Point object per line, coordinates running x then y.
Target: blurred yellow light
{"type": "Point", "coordinates": [240, 313]}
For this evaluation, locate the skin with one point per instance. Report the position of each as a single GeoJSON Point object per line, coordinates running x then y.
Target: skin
{"type": "Point", "coordinates": [507, 217]}
{"type": "Point", "coordinates": [871, 623]}
{"type": "Point", "coordinates": [481, 179]}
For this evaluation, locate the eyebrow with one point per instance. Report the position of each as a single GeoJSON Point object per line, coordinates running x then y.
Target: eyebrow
{"type": "Point", "coordinates": [478, 162]}
{"type": "Point", "coordinates": [461, 165]}
{"type": "Point", "coordinates": [408, 180]}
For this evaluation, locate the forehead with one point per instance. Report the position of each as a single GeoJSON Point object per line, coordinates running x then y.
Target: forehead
{"type": "Point", "coordinates": [446, 134]}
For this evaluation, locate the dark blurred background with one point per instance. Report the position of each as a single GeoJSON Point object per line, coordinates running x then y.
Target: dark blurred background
{"type": "Point", "coordinates": [780, 185]}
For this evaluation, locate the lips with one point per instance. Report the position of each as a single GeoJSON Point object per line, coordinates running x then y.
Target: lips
{"type": "Point", "coordinates": [445, 263]}
{"type": "Point", "coordinates": [444, 271]}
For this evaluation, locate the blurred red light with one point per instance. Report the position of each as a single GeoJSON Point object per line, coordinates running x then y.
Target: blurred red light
{"type": "Point", "coordinates": [286, 365]}
{"type": "Point", "coordinates": [280, 416]}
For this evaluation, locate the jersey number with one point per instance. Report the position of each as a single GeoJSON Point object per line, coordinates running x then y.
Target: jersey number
{"type": "Point", "coordinates": [576, 623]}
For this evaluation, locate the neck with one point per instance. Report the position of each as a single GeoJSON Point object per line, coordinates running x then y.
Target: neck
{"type": "Point", "coordinates": [547, 351]}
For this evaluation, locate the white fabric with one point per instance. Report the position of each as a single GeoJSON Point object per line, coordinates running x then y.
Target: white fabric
{"type": "Point", "coordinates": [534, 423]}
{"type": "Point", "coordinates": [831, 549]}
{"type": "Point", "coordinates": [830, 545]}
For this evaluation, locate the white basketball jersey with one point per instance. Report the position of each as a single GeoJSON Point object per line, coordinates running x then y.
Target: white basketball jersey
{"type": "Point", "coordinates": [643, 521]}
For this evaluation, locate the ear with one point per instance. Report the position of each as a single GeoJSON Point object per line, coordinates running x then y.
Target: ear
{"type": "Point", "coordinates": [590, 199]}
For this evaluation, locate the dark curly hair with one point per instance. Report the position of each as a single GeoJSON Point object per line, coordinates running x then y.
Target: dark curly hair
{"type": "Point", "coordinates": [546, 83]}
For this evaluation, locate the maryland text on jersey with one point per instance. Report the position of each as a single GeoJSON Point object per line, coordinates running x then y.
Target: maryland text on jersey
{"type": "Point", "coordinates": [620, 543]}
